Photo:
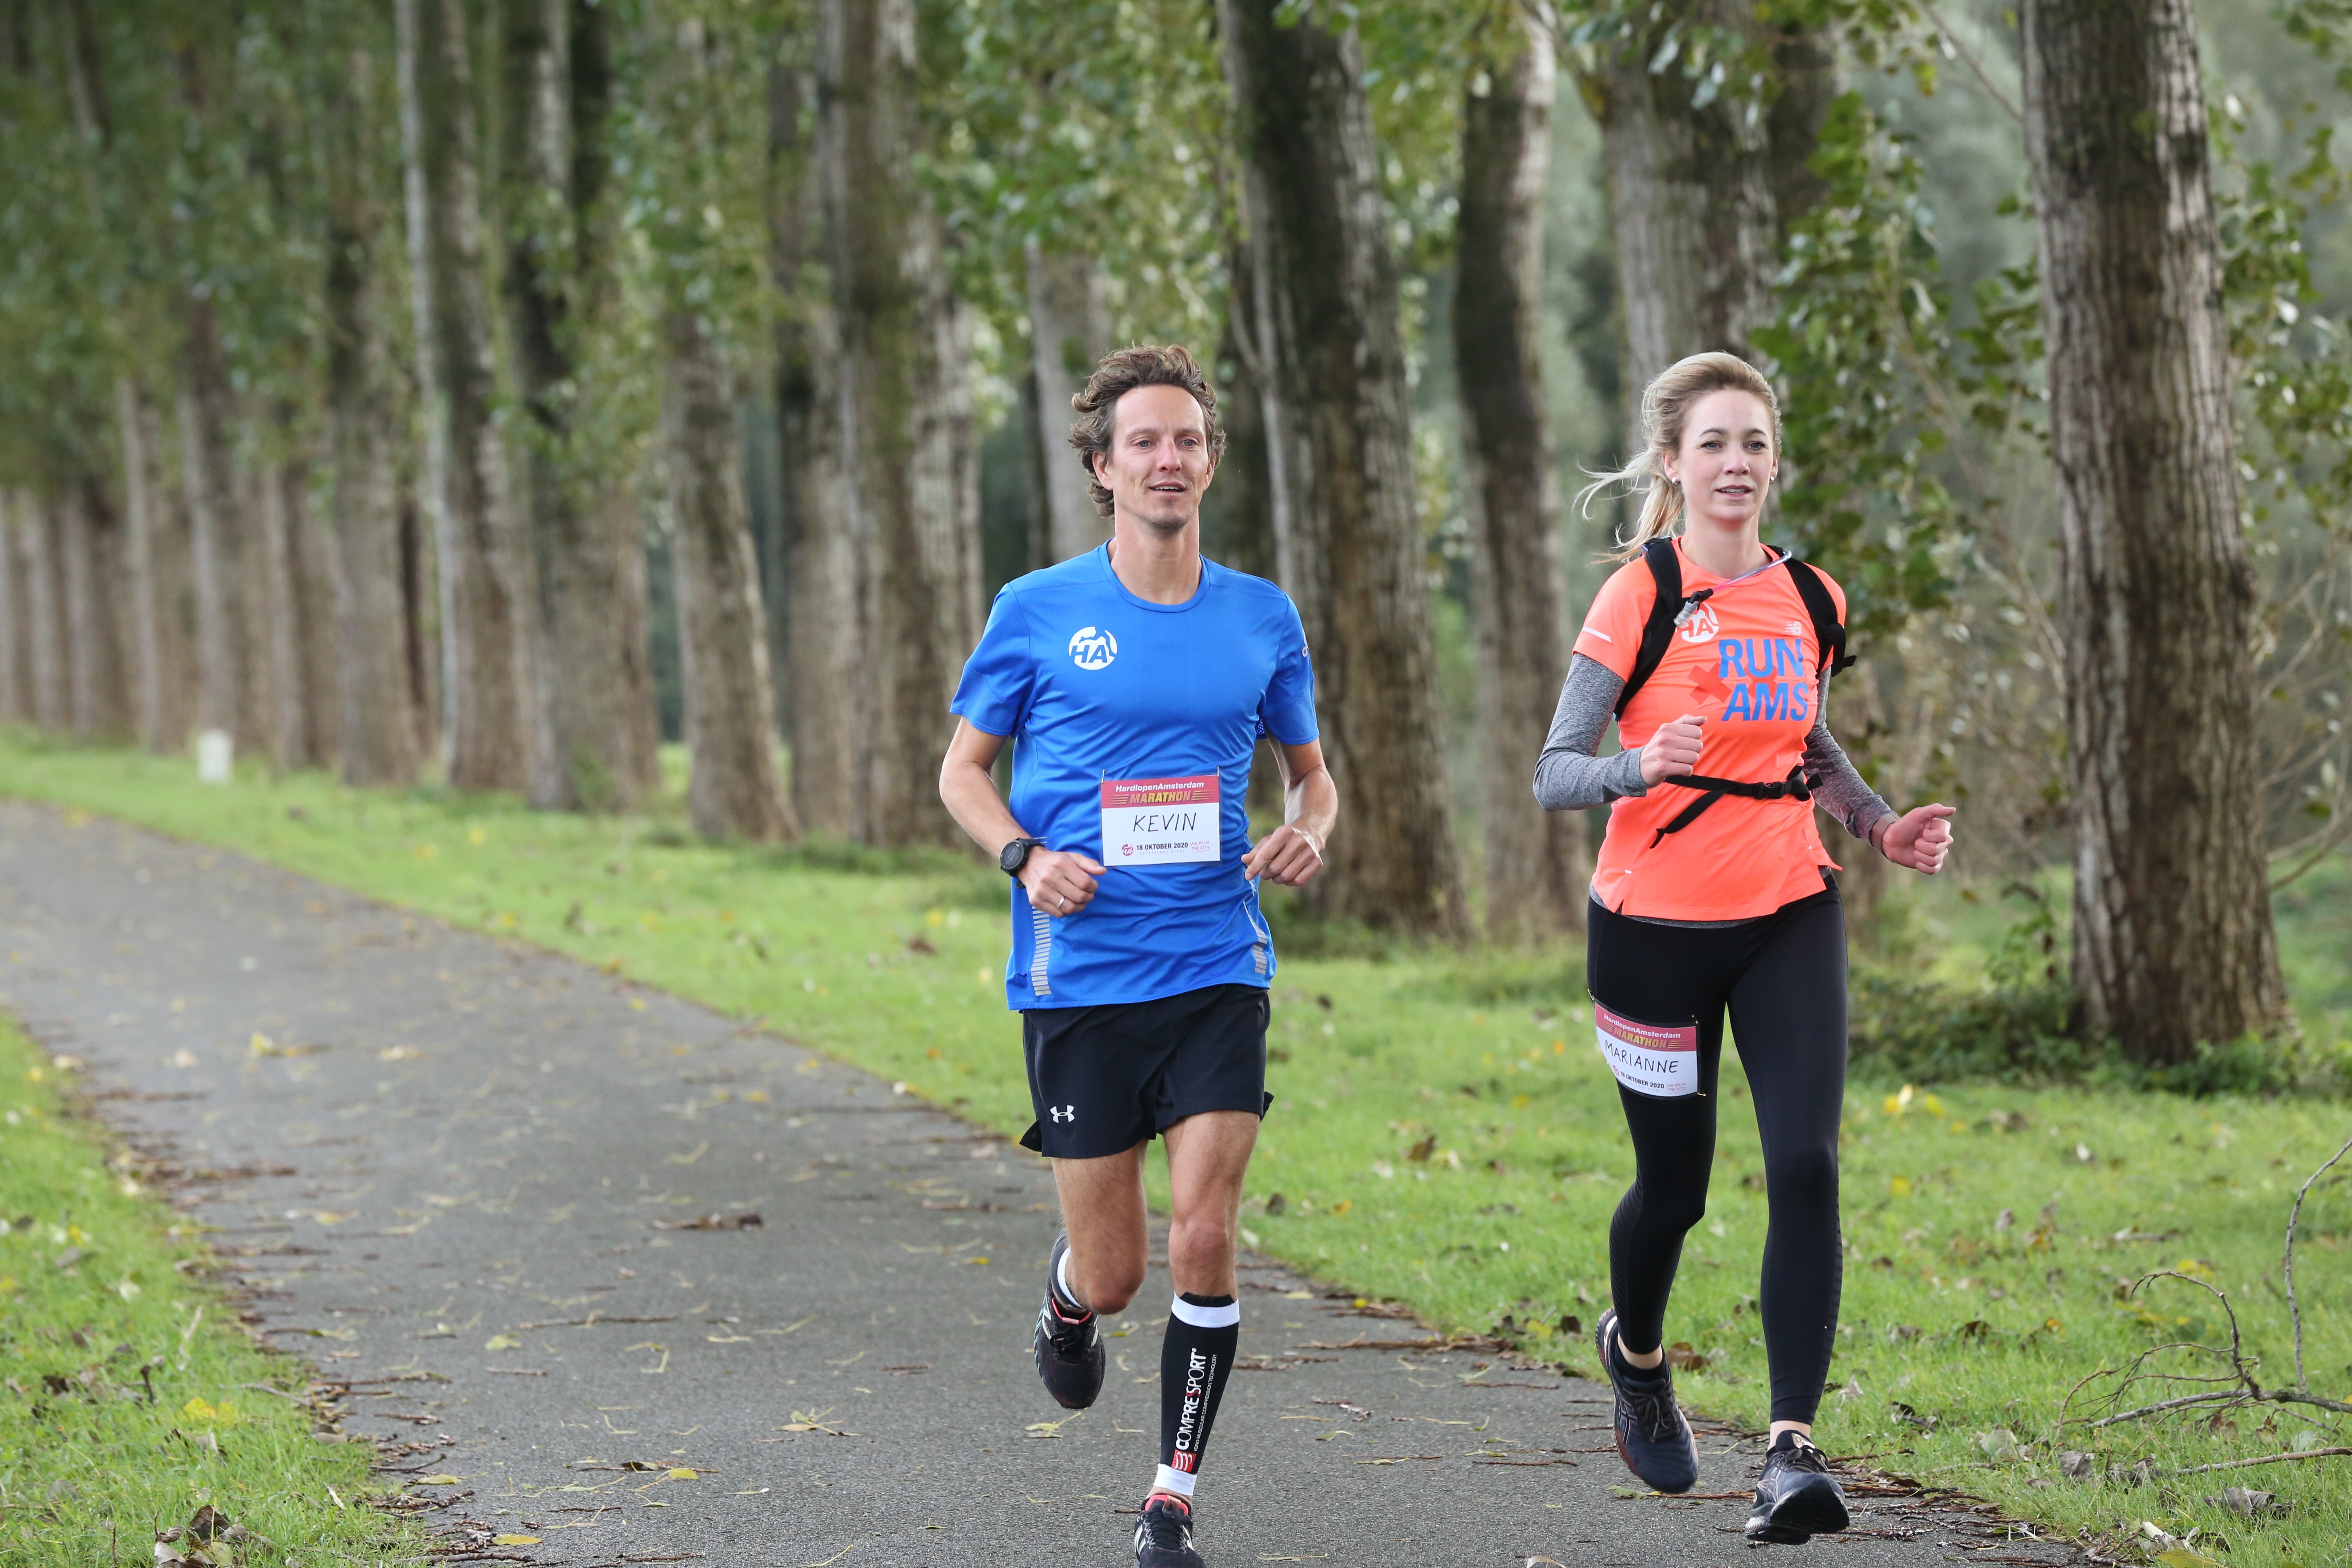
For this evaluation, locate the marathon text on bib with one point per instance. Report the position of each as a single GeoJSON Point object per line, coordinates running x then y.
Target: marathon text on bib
{"type": "Point", "coordinates": [1159, 821]}
{"type": "Point", "coordinates": [1657, 1059]}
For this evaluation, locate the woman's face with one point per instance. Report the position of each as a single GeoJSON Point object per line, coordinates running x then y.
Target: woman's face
{"type": "Point", "coordinates": [1727, 461]}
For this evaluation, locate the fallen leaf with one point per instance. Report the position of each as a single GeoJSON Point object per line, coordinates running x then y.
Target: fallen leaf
{"type": "Point", "coordinates": [680, 1473]}
{"type": "Point", "coordinates": [439, 1481]}
{"type": "Point", "coordinates": [514, 1539]}
{"type": "Point", "coordinates": [712, 1222]}
{"type": "Point", "coordinates": [501, 1342]}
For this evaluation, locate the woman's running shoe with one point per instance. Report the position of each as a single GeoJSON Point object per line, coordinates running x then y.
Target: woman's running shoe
{"type": "Point", "coordinates": [1653, 1439]}
{"type": "Point", "coordinates": [1796, 1497]}
{"type": "Point", "coordinates": [1164, 1536]}
{"type": "Point", "coordinates": [1069, 1349]}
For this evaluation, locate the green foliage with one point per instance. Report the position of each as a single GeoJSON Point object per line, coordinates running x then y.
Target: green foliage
{"type": "Point", "coordinates": [130, 1397]}
{"type": "Point", "coordinates": [1858, 341]}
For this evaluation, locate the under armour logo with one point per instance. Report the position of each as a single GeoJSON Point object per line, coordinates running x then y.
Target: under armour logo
{"type": "Point", "coordinates": [1062, 1113]}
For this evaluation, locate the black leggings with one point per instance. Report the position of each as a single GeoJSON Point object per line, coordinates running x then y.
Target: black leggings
{"type": "Point", "coordinates": [1783, 977]}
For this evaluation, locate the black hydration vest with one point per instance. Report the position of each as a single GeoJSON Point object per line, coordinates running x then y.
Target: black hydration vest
{"type": "Point", "coordinates": [1669, 610]}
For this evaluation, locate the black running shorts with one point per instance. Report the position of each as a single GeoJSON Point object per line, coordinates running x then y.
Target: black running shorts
{"type": "Point", "coordinates": [1103, 1079]}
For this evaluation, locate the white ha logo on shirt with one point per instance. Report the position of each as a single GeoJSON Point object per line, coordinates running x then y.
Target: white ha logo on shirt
{"type": "Point", "coordinates": [1093, 649]}
{"type": "Point", "coordinates": [1702, 625]}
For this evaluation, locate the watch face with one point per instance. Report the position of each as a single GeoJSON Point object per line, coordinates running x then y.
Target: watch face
{"type": "Point", "coordinates": [1013, 856]}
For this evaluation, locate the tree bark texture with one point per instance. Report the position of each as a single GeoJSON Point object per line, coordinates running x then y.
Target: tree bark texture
{"type": "Point", "coordinates": [899, 418]}
{"type": "Point", "coordinates": [1069, 331]}
{"type": "Point", "coordinates": [485, 603]}
{"type": "Point", "coordinates": [1533, 887]}
{"type": "Point", "coordinates": [95, 567]}
{"type": "Point", "coordinates": [45, 595]}
{"type": "Point", "coordinates": [226, 673]}
{"type": "Point", "coordinates": [380, 743]}
{"type": "Point", "coordinates": [15, 618]}
{"type": "Point", "coordinates": [558, 77]}
{"type": "Point", "coordinates": [734, 788]}
{"type": "Point", "coordinates": [1690, 198]}
{"type": "Point", "coordinates": [281, 627]}
{"type": "Point", "coordinates": [155, 566]}
{"type": "Point", "coordinates": [2172, 943]}
{"type": "Point", "coordinates": [1343, 451]}
{"type": "Point", "coordinates": [823, 625]}
{"type": "Point", "coordinates": [1244, 488]}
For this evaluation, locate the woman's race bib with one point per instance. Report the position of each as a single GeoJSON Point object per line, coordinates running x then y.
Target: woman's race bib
{"type": "Point", "coordinates": [1159, 821]}
{"type": "Point", "coordinates": [1660, 1060]}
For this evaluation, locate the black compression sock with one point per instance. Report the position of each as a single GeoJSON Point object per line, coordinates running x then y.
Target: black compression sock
{"type": "Point", "coordinates": [1202, 1333]}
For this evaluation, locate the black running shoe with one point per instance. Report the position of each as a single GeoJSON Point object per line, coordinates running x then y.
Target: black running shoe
{"type": "Point", "coordinates": [1164, 1536]}
{"type": "Point", "coordinates": [1796, 1497]}
{"type": "Point", "coordinates": [1069, 1351]}
{"type": "Point", "coordinates": [1653, 1439]}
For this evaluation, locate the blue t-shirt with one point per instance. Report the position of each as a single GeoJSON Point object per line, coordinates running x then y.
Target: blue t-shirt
{"type": "Point", "coordinates": [1132, 716]}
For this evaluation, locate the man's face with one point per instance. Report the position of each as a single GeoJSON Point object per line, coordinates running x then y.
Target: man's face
{"type": "Point", "coordinates": [1159, 466]}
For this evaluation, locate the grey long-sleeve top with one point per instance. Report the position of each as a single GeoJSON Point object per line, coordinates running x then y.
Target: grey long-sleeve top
{"type": "Point", "coordinates": [1570, 777]}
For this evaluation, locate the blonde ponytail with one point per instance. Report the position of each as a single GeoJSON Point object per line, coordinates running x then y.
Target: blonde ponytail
{"type": "Point", "coordinates": [1665, 403]}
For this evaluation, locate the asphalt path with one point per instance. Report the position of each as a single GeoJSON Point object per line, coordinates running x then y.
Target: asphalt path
{"type": "Point", "coordinates": [458, 1176]}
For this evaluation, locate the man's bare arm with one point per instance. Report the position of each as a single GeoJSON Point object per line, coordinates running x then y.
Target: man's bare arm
{"type": "Point", "coordinates": [1293, 853]}
{"type": "Point", "coordinates": [1059, 883]}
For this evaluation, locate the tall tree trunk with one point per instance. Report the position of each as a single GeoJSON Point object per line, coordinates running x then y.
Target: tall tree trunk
{"type": "Point", "coordinates": [1690, 198]}
{"type": "Point", "coordinates": [884, 250]}
{"type": "Point", "coordinates": [734, 790]}
{"type": "Point", "coordinates": [96, 565]}
{"type": "Point", "coordinates": [1245, 533]}
{"type": "Point", "coordinates": [1805, 73]}
{"type": "Point", "coordinates": [2173, 942]}
{"type": "Point", "coordinates": [558, 283]}
{"type": "Point", "coordinates": [1069, 331]}
{"type": "Point", "coordinates": [632, 635]}
{"type": "Point", "coordinates": [1508, 480]}
{"type": "Point", "coordinates": [485, 605]}
{"type": "Point", "coordinates": [380, 742]}
{"type": "Point", "coordinates": [151, 608]}
{"type": "Point", "coordinates": [225, 658]}
{"type": "Point", "coordinates": [1354, 559]}
{"type": "Point", "coordinates": [1244, 489]}
{"type": "Point", "coordinates": [15, 618]}
{"type": "Point", "coordinates": [419, 611]}
{"type": "Point", "coordinates": [37, 536]}
{"type": "Point", "coordinates": [824, 630]}
{"type": "Point", "coordinates": [278, 487]}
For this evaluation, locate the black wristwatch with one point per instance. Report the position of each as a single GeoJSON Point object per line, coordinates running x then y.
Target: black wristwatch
{"type": "Point", "coordinates": [1015, 855]}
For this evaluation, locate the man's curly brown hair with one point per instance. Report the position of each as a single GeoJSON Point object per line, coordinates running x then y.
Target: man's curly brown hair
{"type": "Point", "coordinates": [1120, 372]}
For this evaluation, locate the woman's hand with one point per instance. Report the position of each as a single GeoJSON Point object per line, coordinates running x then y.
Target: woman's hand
{"type": "Point", "coordinates": [1059, 883]}
{"type": "Point", "coordinates": [1920, 839]}
{"type": "Point", "coordinates": [1674, 750]}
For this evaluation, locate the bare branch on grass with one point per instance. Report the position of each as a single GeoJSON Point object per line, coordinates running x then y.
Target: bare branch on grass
{"type": "Point", "coordinates": [2294, 1311]}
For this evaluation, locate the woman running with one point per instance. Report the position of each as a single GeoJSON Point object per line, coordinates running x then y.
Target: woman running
{"type": "Point", "coordinates": [1713, 890]}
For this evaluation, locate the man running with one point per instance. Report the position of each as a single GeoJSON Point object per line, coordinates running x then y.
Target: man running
{"type": "Point", "coordinates": [1139, 677]}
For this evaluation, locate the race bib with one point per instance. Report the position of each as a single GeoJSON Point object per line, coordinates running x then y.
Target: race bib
{"type": "Point", "coordinates": [1657, 1059]}
{"type": "Point", "coordinates": [1159, 821]}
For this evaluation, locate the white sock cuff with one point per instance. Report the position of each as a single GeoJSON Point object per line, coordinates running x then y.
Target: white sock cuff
{"type": "Point", "coordinates": [1062, 1277]}
{"type": "Point", "coordinates": [1180, 1482]}
{"type": "Point", "coordinates": [1223, 1317]}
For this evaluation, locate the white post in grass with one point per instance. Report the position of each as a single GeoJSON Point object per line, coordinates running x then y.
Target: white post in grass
{"type": "Point", "coordinates": [215, 754]}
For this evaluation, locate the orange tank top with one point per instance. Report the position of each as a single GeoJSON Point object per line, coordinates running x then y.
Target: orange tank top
{"type": "Point", "coordinates": [1745, 662]}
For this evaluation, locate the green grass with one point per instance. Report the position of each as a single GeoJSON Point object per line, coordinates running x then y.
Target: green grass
{"type": "Point", "coordinates": [131, 1397]}
{"type": "Point", "coordinates": [1480, 1064]}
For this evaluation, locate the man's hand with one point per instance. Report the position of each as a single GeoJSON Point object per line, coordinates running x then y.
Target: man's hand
{"type": "Point", "coordinates": [1289, 855]}
{"type": "Point", "coordinates": [1674, 750]}
{"type": "Point", "coordinates": [1060, 883]}
{"type": "Point", "coordinates": [1920, 839]}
